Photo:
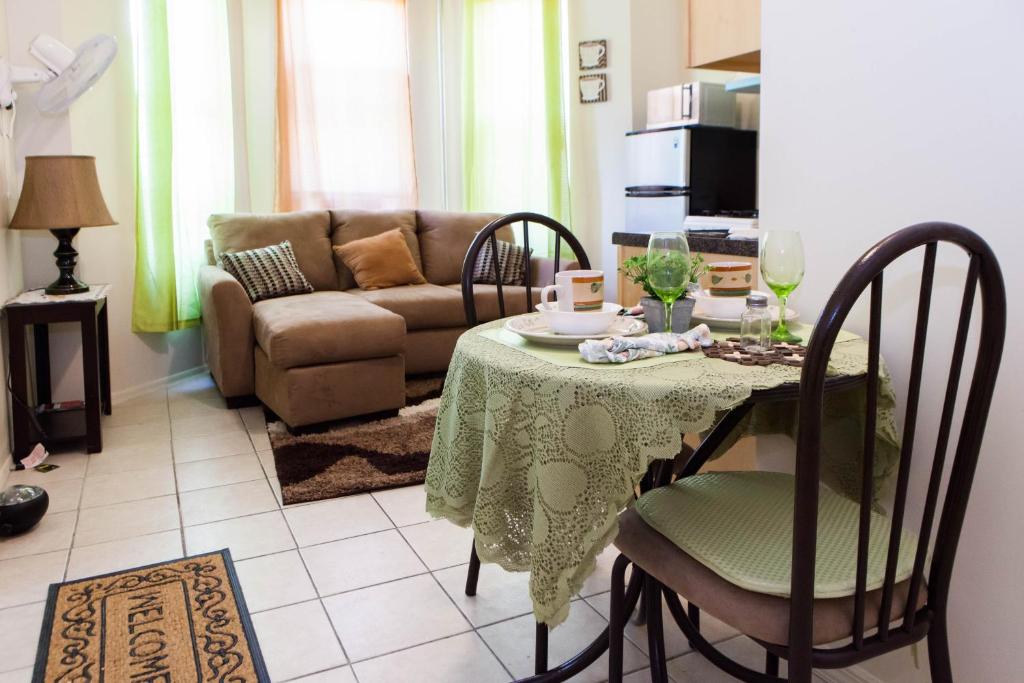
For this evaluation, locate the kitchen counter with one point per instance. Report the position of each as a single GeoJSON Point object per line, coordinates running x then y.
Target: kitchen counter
{"type": "Point", "coordinates": [631, 244]}
{"type": "Point", "coordinates": [719, 246]}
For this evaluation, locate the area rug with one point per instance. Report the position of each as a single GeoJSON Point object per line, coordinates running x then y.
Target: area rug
{"type": "Point", "coordinates": [183, 620]}
{"type": "Point", "coordinates": [358, 454]}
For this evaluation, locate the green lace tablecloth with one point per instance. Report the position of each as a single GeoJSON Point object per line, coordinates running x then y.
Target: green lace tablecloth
{"type": "Point", "coordinates": [539, 453]}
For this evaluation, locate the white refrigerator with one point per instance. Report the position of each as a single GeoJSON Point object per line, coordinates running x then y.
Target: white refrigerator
{"type": "Point", "coordinates": [657, 179]}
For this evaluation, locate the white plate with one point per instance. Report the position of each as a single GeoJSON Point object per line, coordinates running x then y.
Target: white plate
{"type": "Point", "coordinates": [531, 326]}
{"type": "Point", "coordinates": [731, 324]}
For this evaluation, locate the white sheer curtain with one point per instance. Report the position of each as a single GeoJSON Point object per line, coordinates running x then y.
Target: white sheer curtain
{"type": "Point", "coordinates": [344, 116]}
{"type": "Point", "coordinates": [202, 134]}
{"type": "Point", "coordinates": [513, 119]}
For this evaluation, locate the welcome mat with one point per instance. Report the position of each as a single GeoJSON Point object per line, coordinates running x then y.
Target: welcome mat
{"type": "Point", "coordinates": [359, 454]}
{"type": "Point", "coordinates": [183, 620]}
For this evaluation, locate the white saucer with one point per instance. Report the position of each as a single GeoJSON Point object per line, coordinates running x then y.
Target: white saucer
{"type": "Point", "coordinates": [531, 326]}
{"type": "Point", "coordinates": [733, 324]}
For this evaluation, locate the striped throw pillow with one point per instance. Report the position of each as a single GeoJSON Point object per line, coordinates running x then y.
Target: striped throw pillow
{"type": "Point", "coordinates": [511, 264]}
{"type": "Point", "coordinates": [267, 272]}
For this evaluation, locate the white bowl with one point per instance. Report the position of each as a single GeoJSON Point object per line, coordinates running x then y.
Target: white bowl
{"type": "Point", "coordinates": [720, 306]}
{"type": "Point", "coordinates": [583, 322]}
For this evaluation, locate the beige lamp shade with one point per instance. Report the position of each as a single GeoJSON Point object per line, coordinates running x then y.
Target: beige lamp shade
{"type": "Point", "coordinates": [60, 192]}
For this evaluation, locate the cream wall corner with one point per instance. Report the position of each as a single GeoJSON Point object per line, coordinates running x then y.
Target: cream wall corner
{"type": "Point", "coordinates": [102, 124]}
{"type": "Point", "coordinates": [876, 115]}
{"type": "Point", "coordinates": [10, 267]}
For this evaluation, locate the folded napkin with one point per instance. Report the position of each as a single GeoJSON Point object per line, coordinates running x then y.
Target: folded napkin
{"type": "Point", "coordinates": [625, 349]}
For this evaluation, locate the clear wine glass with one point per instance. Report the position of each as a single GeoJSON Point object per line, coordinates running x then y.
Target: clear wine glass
{"type": "Point", "coordinates": [782, 267]}
{"type": "Point", "coordinates": [668, 268]}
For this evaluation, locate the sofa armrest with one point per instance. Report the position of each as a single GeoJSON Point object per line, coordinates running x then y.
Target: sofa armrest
{"type": "Point", "coordinates": [228, 332]}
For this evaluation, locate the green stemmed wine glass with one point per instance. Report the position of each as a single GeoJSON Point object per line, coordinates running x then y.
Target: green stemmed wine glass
{"type": "Point", "coordinates": [782, 267]}
{"type": "Point", "coordinates": [668, 268]}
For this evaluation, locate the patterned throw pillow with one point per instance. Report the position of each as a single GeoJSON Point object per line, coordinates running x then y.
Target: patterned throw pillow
{"type": "Point", "coordinates": [268, 272]}
{"type": "Point", "coordinates": [511, 264]}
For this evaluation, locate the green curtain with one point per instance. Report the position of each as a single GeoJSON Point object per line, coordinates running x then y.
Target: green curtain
{"type": "Point", "coordinates": [155, 300]}
{"type": "Point", "coordinates": [184, 152]}
{"type": "Point", "coordinates": [513, 118]}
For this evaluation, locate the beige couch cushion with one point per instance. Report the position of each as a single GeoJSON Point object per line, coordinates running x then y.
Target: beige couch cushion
{"type": "Point", "coordinates": [308, 231]}
{"type": "Point", "coordinates": [486, 298]}
{"type": "Point", "coordinates": [423, 306]}
{"type": "Point", "coordinates": [445, 237]}
{"type": "Point", "coordinates": [381, 261]}
{"type": "Point", "coordinates": [325, 327]}
{"type": "Point", "coordinates": [350, 225]}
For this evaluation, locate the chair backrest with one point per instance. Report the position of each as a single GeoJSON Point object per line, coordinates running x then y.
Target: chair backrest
{"type": "Point", "coordinates": [867, 273]}
{"type": "Point", "coordinates": [487, 235]}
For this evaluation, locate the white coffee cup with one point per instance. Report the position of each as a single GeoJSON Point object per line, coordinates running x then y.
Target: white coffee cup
{"type": "Point", "coordinates": [590, 55]}
{"type": "Point", "coordinates": [591, 88]}
{"type": "Point", "coordinates": [579, 291]}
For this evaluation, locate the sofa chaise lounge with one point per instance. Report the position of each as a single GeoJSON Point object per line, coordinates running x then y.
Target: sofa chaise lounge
{"type": "Point", "coordinates": [341, 351]}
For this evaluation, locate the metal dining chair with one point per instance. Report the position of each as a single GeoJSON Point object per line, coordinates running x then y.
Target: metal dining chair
{"type": "Point", "coordinates": [881, 601]}
{"type": "Point", "coordinates": [501, 228]}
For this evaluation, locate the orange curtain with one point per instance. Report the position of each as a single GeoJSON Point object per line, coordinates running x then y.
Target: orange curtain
{"type": "Point", "coordinates": [344, 120]}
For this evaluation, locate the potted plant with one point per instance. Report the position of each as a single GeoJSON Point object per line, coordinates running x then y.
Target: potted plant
{"type": "Point", "coordinates": [635, 270]}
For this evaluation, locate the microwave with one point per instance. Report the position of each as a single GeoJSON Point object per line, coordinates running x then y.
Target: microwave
{"type": "Point", "coordinates": [688, 104]}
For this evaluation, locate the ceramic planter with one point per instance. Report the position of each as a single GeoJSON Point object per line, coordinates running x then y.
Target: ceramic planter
{"type": "Point", "coordinates": [654, 314]}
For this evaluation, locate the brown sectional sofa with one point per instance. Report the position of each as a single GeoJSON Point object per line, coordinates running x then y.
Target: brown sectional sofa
{"type": "Point", "coordinates": [341, 351]}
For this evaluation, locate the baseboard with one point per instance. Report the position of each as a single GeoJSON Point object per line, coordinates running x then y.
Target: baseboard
{"type": "Point", "coordinates": [854, 674]}
{"type": "Point", "coordinates": [5, 469]}
{"type": "Point", "coordinates": [162, 383]}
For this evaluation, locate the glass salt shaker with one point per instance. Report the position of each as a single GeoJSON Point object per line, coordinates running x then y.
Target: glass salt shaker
{"type": "Point", "coordinates": [756, 324]}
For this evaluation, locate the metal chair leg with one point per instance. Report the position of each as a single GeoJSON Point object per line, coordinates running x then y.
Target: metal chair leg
{"type": "Point", "coordinates": [938, 651]}
{"type": "Point", "coordinates": [474, 571]}
{"type": "Point", "coordinates": [771, 664]}
{"type": "Point", "coordinates": [617, 619]}
{"type": "Point", "coordinates": [540, 649]}
{"type": "Point", "coordinates": [655, 635]}
{"type": "Point", "coordinates": [693, 612]}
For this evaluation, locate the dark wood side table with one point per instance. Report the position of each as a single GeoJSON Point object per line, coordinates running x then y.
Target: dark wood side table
{"type": "Point", "coordinates": [37, 310]}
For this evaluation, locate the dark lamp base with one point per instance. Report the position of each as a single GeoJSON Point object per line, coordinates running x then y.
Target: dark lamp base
{"type": "Point", "coordinates": [67, 258]}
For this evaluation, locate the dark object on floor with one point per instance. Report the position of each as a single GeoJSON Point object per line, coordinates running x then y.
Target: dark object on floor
{"type": "Point", "coordinates": [21, 508]}
{"type": "Point", "coordinates": [359, 454]}
{"type": "Point", "coordinates": [182, 620]}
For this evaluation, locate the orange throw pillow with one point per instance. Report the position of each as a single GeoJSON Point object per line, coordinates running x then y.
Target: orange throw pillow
{"type": "Point", "coordinates": [381, 261]}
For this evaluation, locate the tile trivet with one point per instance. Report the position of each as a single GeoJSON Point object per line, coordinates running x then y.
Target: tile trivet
{"type": "Point", "coordinates": [781, 353]}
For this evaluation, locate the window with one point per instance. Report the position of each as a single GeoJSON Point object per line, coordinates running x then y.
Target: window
{"type": "Point", "coordinates": [344, 117]}
{"type": "Point", "coordinates": [513, 138]}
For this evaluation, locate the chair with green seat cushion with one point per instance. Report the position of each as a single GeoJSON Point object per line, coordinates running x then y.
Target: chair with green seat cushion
{"type": "Point", "coordinates": [740, 526]}
{"type": "Point", "coordinates": [816, 579]}
{"type": "Point", "coordinates": [724, 540]}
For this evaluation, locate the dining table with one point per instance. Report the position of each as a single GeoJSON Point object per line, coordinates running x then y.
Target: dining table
{"type": "Point", "coordinates": [538, 451]}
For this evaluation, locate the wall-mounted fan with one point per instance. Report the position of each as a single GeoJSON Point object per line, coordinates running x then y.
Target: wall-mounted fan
{"type": "Point", "coordinates": [67, 75]}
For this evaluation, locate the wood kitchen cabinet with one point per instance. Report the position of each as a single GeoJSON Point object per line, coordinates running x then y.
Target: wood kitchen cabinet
{"type": "Point", "coordinates": [724, 34]}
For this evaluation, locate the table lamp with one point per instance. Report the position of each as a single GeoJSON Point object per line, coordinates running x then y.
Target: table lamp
{"type": "Point", "coordinates": [61, 194]}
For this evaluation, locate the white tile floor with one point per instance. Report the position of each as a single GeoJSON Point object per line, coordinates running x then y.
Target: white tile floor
{"type": "Point", "coordinates": [365, 588]}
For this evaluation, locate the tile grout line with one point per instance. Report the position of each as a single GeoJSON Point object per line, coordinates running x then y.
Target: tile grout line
{"type": "Point", "coordinates": [174, 473]}
{"type": "Point", "coordinates": [319, 599]}
{"type": "Point", "coordinates": [450, 599]}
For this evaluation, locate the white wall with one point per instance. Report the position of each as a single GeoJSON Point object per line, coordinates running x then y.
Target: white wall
{"type": "Point", "coordinates": [597, 153]}
{"type": "Point", "coordinates": [10, 263]}
{"type": "Point", "coordinates": [102, 124]}
{"type": "Point", "coordinates": [876, 115]}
